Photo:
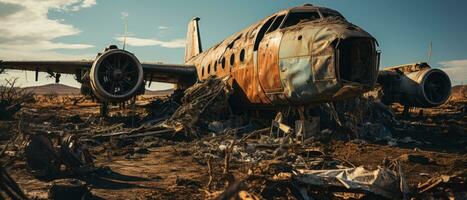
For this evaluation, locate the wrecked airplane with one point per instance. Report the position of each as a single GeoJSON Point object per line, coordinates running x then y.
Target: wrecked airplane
{"type": "Point", "coordinates": [298, 58]}
{"type": "Point", "coordinates": [302, 56]}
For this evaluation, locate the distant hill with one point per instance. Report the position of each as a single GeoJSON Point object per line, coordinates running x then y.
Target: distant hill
{"type": "Point", "coordinates": [159, 92]}
{"type": "Point", "coordinates": [459, 92]}
{"type": "Point", "coordinates": [59, 89]}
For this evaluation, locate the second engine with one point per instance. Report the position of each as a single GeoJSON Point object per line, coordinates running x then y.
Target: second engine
{"type": "Point", "coordinates": [415, 85]}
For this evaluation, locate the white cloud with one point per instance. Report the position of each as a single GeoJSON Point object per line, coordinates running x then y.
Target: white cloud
{"type": "Point", "coordinates": [134, 41]}
{"type": "Point", "coordinates": [75, 5]}
{"type": "Point", "coordinates": [164, 31]}
{"type": "Point", "coordinates": [29, 30]}
{"type": "Point", "coordinates": [88, 3]}
{"type": "Point", "coordinates": [124, 15]}
{"type": "Point", "coordinates": [163, 27]}
{"type": "Point", "coordinates": [43, 45]}
{"type": "Point", "coordinates": [456, 69]}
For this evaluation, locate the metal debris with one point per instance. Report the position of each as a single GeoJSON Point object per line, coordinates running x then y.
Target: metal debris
{"type": "Point", "coordinates": [44, 159]}
{"type": "Point", "coordinates": [381, 182]}
{"type": "Point", "coordinates": [9, 188]}
{"type": "Point", "coordinates": [204, 102]}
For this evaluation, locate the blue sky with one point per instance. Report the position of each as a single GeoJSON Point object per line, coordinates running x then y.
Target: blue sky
{"type": "Point", "coordinates": [75, 29]}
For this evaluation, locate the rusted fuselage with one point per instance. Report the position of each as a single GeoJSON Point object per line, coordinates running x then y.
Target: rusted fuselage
{"type": "Point", "coordinates": [300, 56]}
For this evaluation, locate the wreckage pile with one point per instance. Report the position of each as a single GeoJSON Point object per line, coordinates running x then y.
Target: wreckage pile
{"type": "Point", "coordinates": [282, 170]}
{"type": "Point", "coordinates": [361, 118]}
{"type": "Point", "coordinates": [244, 157]}
{"type": "Point", "coordinates": [202, 104]}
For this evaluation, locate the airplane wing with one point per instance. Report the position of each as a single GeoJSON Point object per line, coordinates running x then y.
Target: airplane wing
{"type": "Point", "coordinates": [63, 67]}
{"type": "Point", "coordinates": [115, 75]}
{"type": "Point", "coordinates": [160, 72]}
{"type": "Point", "coordinates": [184, 75]}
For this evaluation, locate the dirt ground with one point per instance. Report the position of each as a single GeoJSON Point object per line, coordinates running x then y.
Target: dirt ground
{"type": "Point", "coordinates": [171, 170]}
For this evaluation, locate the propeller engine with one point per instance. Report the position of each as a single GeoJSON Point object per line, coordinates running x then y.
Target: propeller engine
{"type": "Point", "coordinates": [416, 85]}
{"type": "Point", "coordinates": [116, 76]}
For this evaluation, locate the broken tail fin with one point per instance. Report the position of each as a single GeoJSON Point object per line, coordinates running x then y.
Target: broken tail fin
{"type": "Point", "coordinates": [193, 40]}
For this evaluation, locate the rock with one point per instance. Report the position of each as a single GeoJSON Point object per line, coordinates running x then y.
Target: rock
{"type": "Point", "coordinates": [39, 160]}
{"type": "Point", "coordinates": [68, 189]}
{"type": "Point", "coordinates": [216, 126]}
{"type": "Point", "coordinates": [75, 119]}
{"type": "Point", "coordinates": [391, 141]}
{"type": "Point", "coordinates": [374, 131]}
{"type": "Point", "coordinates": [141, 150]}
{"type": "Point", "coordinates": [187, 182]}
{"type": "Point", "coordinates": [415, 158]}
{"type": "Point", "coordinates": [407, 140]}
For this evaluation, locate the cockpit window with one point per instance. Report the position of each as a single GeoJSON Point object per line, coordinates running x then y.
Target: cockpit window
{"type": "Point", "coordinates": [277, 22]}
{"type": "Point", "coordinates": [300, 17]}
{"type": "Point", "coordinates": [331, 14]}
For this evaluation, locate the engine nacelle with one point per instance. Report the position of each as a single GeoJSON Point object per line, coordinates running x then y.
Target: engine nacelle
{"type": "Point", "coordinates": [416, 85]}
{"type": "Point", "coordinates": [116, 76]}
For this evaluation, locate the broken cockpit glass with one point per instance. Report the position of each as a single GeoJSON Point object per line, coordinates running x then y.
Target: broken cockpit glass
{"type": "Point", "coordinates": [330, 13]}
{"type": "Point", "coordinates": [295, 18]}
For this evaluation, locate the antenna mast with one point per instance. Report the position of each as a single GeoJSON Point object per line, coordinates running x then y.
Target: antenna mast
{"type": "Point", "coordinates": [125, 33]}
{"type": "Point", "coordinates": [430, 49]}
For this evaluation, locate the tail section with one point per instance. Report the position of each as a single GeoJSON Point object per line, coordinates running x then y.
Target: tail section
{"type": "Point", "coordinates": [193, 40]}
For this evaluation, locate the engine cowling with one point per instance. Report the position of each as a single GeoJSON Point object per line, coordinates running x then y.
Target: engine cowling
{"type": "Point", "coordinates": [416, 85]}
{"type": "Point", "coordinates": [116, 76]}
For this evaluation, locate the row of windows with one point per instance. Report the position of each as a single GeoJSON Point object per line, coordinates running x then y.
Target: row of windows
{"type": "Point", "coordinates": [292, 19]}
{"type": "Point", "coordinates": [222, 63]}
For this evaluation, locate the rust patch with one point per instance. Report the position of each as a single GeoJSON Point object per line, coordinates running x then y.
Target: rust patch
{"type": "Point", "coordinates": [268, 63]}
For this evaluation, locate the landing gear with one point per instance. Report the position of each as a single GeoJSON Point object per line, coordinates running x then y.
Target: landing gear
{"type": "Point", "coordinates": [296, 124]}
{"type": "Point", "coordinates": [178, 95]}
{"type": "Point", "coordinates": [104, 110]}
{"type": "Point", "coordinates": [133, 111]}
{"type": "Point", "coordinates": [306, 126]}
{"type": "Point", "coordinates": [406, 112]}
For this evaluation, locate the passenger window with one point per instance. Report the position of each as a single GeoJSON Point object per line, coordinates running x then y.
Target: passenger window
{"type": "Point", "coordinates": [215, 66]}
{"type": "Point", "coordinates": [209, 68]}
{"type": "Point", "coordinates": [232, 60]}
{"type": "Point", "coordinates": [223, 63]}
{"type": "Point", "coordinates": [277, 22]}
{"type": "Point", "coordinates": [300, 17]}
{"type": "Point", "coordinates": [242, 55]}
{"type": "Point", "coordinates": [202, 71]}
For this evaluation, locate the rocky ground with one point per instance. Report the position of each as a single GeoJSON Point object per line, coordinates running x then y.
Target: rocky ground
{"type": "Point", "coordinates": [197, 157]}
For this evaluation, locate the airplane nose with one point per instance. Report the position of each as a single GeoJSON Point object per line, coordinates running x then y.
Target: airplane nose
{"type": "Point", "coordinates": [326, 62]}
